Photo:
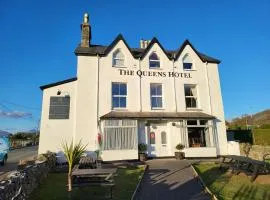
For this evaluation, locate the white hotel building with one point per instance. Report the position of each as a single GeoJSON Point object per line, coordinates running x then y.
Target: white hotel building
{"type": "Point", "coordinates": [130, 95]}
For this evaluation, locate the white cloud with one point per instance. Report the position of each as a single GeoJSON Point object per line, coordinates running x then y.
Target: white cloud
{"type": "Point", "coordinates": [15, 114]}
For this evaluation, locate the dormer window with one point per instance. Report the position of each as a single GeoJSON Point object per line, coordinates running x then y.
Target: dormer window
{"type": "Point", "coordinates": [118, 58]}
{"type": "Point", "coordinates": [154, 61]}
{"type": "Point", "coordinates": [187, 62]}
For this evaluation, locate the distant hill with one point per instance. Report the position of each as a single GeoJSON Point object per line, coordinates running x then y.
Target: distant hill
{"type": "Point", "coordinates": [4, 133]}
{"type": "Point", "coordinates": [258, 119]}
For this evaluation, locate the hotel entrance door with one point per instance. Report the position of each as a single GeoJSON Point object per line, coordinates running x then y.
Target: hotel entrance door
{"type": "Point", "coordinates": [158, 140]}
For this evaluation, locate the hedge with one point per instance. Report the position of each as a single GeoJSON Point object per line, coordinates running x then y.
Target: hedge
{"type": "Point", "coordinates": [261, 136]}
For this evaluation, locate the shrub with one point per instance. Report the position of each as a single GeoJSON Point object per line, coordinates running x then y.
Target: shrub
{"type": "Point", "coordinates": [180, 147]}
{"type": "Point", "coordinates": [142, 148]}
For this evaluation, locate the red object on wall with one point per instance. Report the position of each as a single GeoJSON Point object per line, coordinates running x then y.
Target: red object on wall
{"type": "Point", "coordinates": [152, 135]}
{"type": "Point", "coordinates": [99, 139]}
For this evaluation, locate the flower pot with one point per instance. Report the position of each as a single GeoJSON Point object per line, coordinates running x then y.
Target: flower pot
{"type": "Point", "coordinates": [179, 155]}
{"type": "Point", "coordinates": [142, 157]}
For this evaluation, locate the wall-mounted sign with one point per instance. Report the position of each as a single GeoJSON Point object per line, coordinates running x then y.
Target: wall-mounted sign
{"type": "Point", "coordinates": [142, 73]}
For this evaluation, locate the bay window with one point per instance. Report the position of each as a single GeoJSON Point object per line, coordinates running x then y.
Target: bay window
{"type": "Point", "coordinates": [120, 135]}
{"type": "Point", "coordinates": [199, 133]}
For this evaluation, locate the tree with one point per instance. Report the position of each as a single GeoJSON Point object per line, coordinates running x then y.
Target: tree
{"type": "Point", "coordinates": [72, 152]}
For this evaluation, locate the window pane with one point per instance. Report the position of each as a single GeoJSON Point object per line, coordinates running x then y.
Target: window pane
{"type": "Point", "coordinates": [163, 137]}
{"type": "Point", "coordinates": [115, 102]}
{"type": "Point", "coordinates": [159, 89]}
{"type": "Point", "coordinates": [152, 138]}
{"type": "Point", "coordinates": [153, 89]}
{"type": "Point", "coordinates": [191, 122]}
{"type": "Point", "coordinates": [115, 89]}
{"type": "Point", "coordinates": [187, 65]}
{"type": "Point", "coordinates": [153, 56]}
{"type": "Point", "coordinates": [122, 102]}
{"type": "Point", "coordinates": [154, 64]}
{"type": "Point", "coordinates": [154, 102]}
{"type": "Point", "coordinates": [191, 102]}
{"type": "Point", "coordinates": [198, 137]}
{"type": "Point", "coordinates": [123, 89]}
{"type": "Point", "coordinates": [159, 102]}
{"type": "Point", "coordinates": [187, 90]}
{"type": "Point", "coordinates": [203, 122]}
{"type": "Point", "coordinates": [118, 62]}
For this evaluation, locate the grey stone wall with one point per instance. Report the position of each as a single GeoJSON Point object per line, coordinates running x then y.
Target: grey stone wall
{"type": "Point", "coordinates": [256, 152]}
{"type": "Point", "coordinates": [19, 184]}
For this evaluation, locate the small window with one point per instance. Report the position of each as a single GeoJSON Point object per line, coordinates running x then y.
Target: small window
{"type": "Point", "coordinates": [154, 61]}
{"type": "Point", "coordinates": [118, 58]}
{"type": "Point", "coordinates": [187, 62]}
{"type": "Point", "coordinates": [163, 137]}
{"type": "Point", "coordinates": [191, 122]}
{"type": "Point", "coordinates": [156, 95]}
{"type": "Point", "coordinates": [119, 95]}
{"type": "Point", "coordinates": [152, 138]}
{"type": "Point", "coordinates": [59, 107]}
{"type": "Point", "coordinates": [191, 96]}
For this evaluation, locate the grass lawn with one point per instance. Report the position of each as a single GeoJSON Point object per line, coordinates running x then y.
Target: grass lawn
{"type": "Point", "coordinates": [55, 187]}
{"type": "Point", "coordinates": [227, 186]}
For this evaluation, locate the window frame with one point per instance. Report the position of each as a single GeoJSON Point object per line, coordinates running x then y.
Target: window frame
{"type": "Point", "coordinates": [192, 97]}
{"type": "Point", "coordinates": [118, 96]}
{"type": "Point", "coordinates": [157, 96]}
{"type": "Point", "coordinates": [155, 61]}
{"type": "Point", "coordinates": [116, 58]}
{"type": "Point", "coordinates": [187, 56]}
{"type": "Point", "coordinates": [209, 125]}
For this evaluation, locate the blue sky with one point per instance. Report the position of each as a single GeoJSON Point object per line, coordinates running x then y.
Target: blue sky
{"type": "Point", "coordinates": [38, 38]}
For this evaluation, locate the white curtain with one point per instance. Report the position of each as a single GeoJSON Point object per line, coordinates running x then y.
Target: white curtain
{"type": "Point", "coordinates": [120, 135]}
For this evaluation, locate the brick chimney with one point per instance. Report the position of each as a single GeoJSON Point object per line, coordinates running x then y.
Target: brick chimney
{"type": "Point", "coordinates": [86, 31]}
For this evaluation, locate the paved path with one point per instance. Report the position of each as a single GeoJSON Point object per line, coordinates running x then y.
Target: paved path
{"type": "Point", "coordinates": [170, 179]}
{"type": "Point", "coordinates": [15, 156]}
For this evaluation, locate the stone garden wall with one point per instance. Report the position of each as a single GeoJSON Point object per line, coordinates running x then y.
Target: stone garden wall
{"type": "Point", "coordinates": [19, 184]}
{"type": "Point", "coordinates": [256, 152]}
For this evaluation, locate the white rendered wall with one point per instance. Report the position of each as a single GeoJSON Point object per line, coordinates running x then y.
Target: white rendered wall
{"type": "Point", "coordinates": [54, 131]}
{"type": "Point", "coordinates": [86, 102]}
{"type": "Point", "coordinates": [197, 152]}
{"type": "Point", "coordinates": [217, 108]}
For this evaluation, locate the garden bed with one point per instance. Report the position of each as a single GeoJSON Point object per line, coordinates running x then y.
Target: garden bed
{"type": "Point", "coordinates": [227, 186]}
{"type": "Point", "coordinates": [55, 187]}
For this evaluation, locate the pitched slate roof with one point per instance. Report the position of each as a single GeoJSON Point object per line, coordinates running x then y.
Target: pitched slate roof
{"type": "Point", "coordinates": [140, 53]}
{"type": "Point", "coordinates": [161, 115]}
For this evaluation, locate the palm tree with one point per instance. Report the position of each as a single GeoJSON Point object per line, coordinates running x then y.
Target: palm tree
{"type": "Point", "coordinates": [72, 152]}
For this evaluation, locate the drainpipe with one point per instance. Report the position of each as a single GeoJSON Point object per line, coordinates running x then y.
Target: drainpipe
{"type": "Point", "coordinates": [140, 86]}
{"type": "Point", "coordinates": [98, 57]}
{"type": "Point", "coordinates": [174, 87]}
{"type": "Point", "coordinates": [207, 77]}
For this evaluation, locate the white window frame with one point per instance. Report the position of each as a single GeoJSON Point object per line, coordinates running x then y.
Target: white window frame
{"type": "Point", "coordinates": [118, 96]}
{"type": "Point", "coordinates": [114, 57]}
{"type": "Point", "coordinates": [162, 102]}
{"type": "Point", "coordinates": [192, 97]}
{"type": "Point", "coordinates": [187, 55]}
{"type": "Point", "coordinates": [208, 125]}
{"type": "Point", "coordinates": [151, 60]}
